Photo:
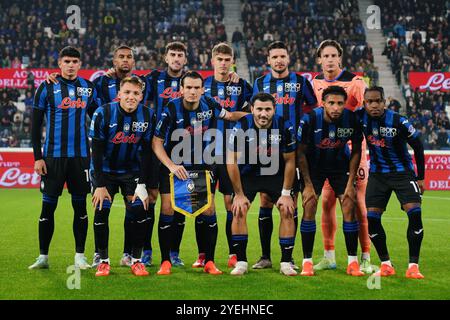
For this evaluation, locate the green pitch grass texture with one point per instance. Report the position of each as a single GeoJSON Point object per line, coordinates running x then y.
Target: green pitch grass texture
{"type": "Point", "coordinates": [20, 210]}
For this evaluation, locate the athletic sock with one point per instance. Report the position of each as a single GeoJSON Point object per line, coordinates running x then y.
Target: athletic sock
{"type": "Point", "coordinates": [265, 224]}
{"type": "Point", "coordinates": [199, 233]}
{"type": "Point", "coordinates": [47, 222]}
{"type": "Point", "coordinates": [330, 254]}
{"type": "Point", "coordinates": [414, 234]}
{"type": "Point", "coordinates": [101, 228]}
{"type": "Point", "coordinates": [240, 246]}
{"type": "Point", "coordinates": [229, 233]}
{"type": "Point", "coordinates": [287, 246]}
{"type": "Point", "coordinates": [138, 228]}
{"type": "Point", "coordinates": [149, 227]}
{"type": "Point", "coordinates": [351, 230]}
{"type": "Point", "coordinates": [377, 235]}
{"type": "Point", "coordinates": [210, 236]}
{"type": "Point", "coordinates": [128, 229]}
{"type": "Point", "coordinates": [80, 222]}
{"type": "Point", "coordinates": [179, 220]}
{"type": "Point", "coordinates": [165, 235]}
{"type": "Point", "coordinates": [308, 232]}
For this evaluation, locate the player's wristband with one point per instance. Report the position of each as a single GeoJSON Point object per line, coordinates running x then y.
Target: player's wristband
{"type": "Point", "coordinates": [286, 192]}
{"type": "Point", "coordinates": [141, 191]}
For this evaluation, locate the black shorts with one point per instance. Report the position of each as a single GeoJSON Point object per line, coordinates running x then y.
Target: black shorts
{"type": "Point", "coordinates": [127, 183]}
{"type": "Point", "coordinates": [164, 178]}
{"type": "Point", "coordinates": [221, 176]}
{"type": "Point", "coordinates": [381, 185]}
{"type": "Point", "coordinates": [337, 180]}
{"type": "Point", "coordinates": [271, 185]}
{"type": "Point", "coordinates": [153, 180]}
{"type": "Point", "coordinates": [73, 171]}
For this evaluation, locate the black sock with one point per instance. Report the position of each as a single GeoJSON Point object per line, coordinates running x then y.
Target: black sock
{"type": "Point", "coordinates": [351, 231]}
{"type": "Point", "coordinates": [165, 235]}
{"type": "Point", "coordinates": [287, 246]}
{"type": "Point", "coordinates": [101, 229]}
{"type": "Point", "coordinates": [265, 224]}
{"type": "Point", "coordinates": [80, 222]}
{"type": "Point", "coordinates": [149, 226]}
{"type": "Point", "coordinates": [210, 236]}
{"type": "Point", "coordinates": [199, 233]}
{"type": "Point", "coordinates": [228, 232]}
{"type": "Point", "coordinates": [179, 220]}
{"type": "Point", "coordinates": [308, 232]}
{"type": "Point", "coordinates": [138, 228]}
{"type": "Point", "coordinates": [128, 229]}
{"type": "Point", "coordinates": [240, 246]}
{"type": "Point", "coordinates": [377, 235]}
{"type": "Point", "coordinates": [414, 233]}
{"type": "Point", "coordinates": [47, 222]}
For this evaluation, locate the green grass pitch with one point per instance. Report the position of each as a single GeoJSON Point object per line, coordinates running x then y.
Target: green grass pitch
{"type": "Point", "coordinates": [20, 210]}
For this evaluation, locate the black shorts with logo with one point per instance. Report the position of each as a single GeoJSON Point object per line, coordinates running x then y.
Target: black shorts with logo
{"type": "Point", "coordinates": [337, 180]}
{"type": "Point", "coordinates": [381, 185]}
{"type": "Point", "coordinates": [73, 171]}
{"type": "Point", "coordinates": [221, 176]}
{"type": "Point", "coordinates": [271, 185]}
{"type": "Point", "coordinates": [127, 183]}
{"type": "Point", "coordinates": [164, 178]}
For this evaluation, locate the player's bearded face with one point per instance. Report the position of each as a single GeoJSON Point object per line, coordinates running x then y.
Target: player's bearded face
{"type": "Point", "coordinates": [69, 66]}
{"type": "Point", "coordinates": [222, 62]}
{"type": "Point", "coordinates": [278, 60]}
{"type": "Point", "coordinates": [263, 112]}
{"type": "Point", "coordinates": [374, 104]}
{"type": "Point", "coordinates": [329, 59]}
{"type": "Point", "coordinates": [130, 95]}
{"type": "Point", "coordinates": [123, 60]}
{"type": "Point", "coordinates": [175, 60]}
{"type": "Point", "coordinates": [334, 106]}
{"type": "Point", "coordinates": [192, 89]}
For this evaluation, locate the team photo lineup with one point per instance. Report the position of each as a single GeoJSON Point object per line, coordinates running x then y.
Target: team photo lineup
{"type": "Point", "coordinates": [132, 142]}
{"type": "Point", "coordinates": [170, 155]}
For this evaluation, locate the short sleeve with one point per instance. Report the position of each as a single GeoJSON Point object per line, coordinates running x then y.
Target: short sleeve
{"type": "Point", "coordinates": [96, 130]}
{"type": "Point", "coordinates": [289, 140]}
{"type": "Point", "coordinates": [302, 131]}
{"type": "Point", "coordinates": [163, 126]}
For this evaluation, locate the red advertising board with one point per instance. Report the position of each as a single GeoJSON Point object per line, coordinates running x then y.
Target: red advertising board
{"type": "Point", "coordinates": [17, 78]}
{"type": "Point", "coordinates": [16, 169]}
{"type": "Point", "coordinates": [430, 81]}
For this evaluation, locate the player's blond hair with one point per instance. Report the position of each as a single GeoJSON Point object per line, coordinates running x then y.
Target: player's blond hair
{"type": "Point", "coordinates": [329, 43]}
{"type": "Point", "coordinates": [133, 80]}
{"type": "Point", "coordinates": [223, 48]}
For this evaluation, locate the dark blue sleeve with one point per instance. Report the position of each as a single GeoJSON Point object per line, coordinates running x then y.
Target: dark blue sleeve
{"type": "Point", "coordinates": [40, 98]}
{"type": "Point", "coordinates": [96, 130]}
{"type": "Point", "coordinates": [308, 95]}
{"type": "Point", "coordinates": [302, 131]}
{"type": "Point", "coordinates": [289, 140]}
{"type": "Point", "coordinates": [163, 126]}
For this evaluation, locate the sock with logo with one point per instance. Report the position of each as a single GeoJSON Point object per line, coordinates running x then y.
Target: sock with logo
{"type": "Point", "coordinates": [47, 222]}
{"type": "Point", "coordinates": [210, 236]}
{"type": "Point", "coordinates": [308, 232]}
{"type": "Point", "coordinates": [101, 228]}
{"type": "Point", "coordinates": [377, 235]}
{"type": "Point", "coordinates": [414, 234]}
{"type": "Point", "coordinates": [240, 246]}
{"type": "Point", "coordinates": [149, 227]}
{"type": "Point", "coordinates": [165, 234]}
{"type": "Point", "coordinates": [287, 246]}
{"type": "Point", "coordinates": [179, 220]}
{"type": "Point", "coordinates": [265, 224]}
{"type": "Point", "coordinates": [127, 229]}
{"type": "Point", "coordinates": [80, 222]}
{"type": "Point", "coordinates": [351, 232]}
{"type": "Point", "coordinates": [199, 233]}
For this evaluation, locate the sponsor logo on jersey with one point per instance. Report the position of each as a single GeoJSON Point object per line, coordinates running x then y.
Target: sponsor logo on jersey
{"type": "Point", "coordinates": [67, 103]}
{"type": "Point", "coordinates": [233, 90]}
{"type": "Point", "coordinates": [388, 132]}
{"type": "Point", "coordinates": [139, 126]}
{"type": "Point", "coordinates": [292, 87]}
{"type": "Point", "coordinates": [344, 132]}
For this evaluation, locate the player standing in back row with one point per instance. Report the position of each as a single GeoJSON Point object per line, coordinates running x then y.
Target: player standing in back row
{"type": "Point", "coordinates": [294, 96]}
{"type": "Point", "coordinates": [66, 151]}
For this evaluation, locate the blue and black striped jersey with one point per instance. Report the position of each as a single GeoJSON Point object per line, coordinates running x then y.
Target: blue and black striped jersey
{"type": "Point", "coordinates": [262, 148]}
{"type": "Point", "coordinates": [122, 133]}
{"type": "Point", "coordinates": [65, 105]}
{"type": "Point", "coordinates": [294, 95]}
{"type": "Point", "coordinates": [387, 138]}
{"type": "Point", "coordinates": [108, 88]}
{"type": "Point", "coordinates": [160, 89]}
{"type": "Point", "coordinates": [327, 148]}
{"type": "Point", "coordinates": [231, 96]}
{"type": "Point", "coordinates": [192, 126]}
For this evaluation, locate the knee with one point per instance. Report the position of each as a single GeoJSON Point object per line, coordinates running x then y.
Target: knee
{"type": "Point", "coordinates": [266, 201]}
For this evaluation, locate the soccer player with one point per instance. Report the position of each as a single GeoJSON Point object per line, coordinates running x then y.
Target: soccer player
{"type": "Point", "coordinates": [294, 96]}
{"type": "Point", "coordinates": [263, 134]}
{"type": "Point", "coordinates": [391, 169]}
{"type": "Point", "coordinates": [192, 115]}
{"type": "Point", "coordinates": [323, 154]}
{"type": "Point", "coordinates": [118, 130]}
{"type": "Point", "coordinates": [232, 97]}
{"type": "Point", "coordinates": [66, 151]}
{"type": "Point", "coordinates": [329, 56]}
{"type": "Point", "coordinates": [107, 87]}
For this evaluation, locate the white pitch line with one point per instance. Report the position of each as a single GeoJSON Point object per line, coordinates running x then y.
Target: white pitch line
{"type": "Point", "coordinates": [439, 198]}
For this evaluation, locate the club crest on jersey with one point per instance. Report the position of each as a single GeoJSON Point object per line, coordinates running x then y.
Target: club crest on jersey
{"type": "Point", "coordinates": [72, 93]}
{"type": "Point", "coordinates": [139, 126]}
{"type": "Point", "coordinates": [174, 84]}
{"type": "Point", "coordinates": [126, 127]}
{"type": "Point", "coordinates": [233, 90]}
{"type": "Point", "coordinates": [274, 138]}
{"type": "Point", "coordinates": [292, 87]}
{"type": "Point", "coordinates": [344, 132]}
{"type": "Point", "coordinates": [388, 132]}
{"type": "Point", "coordinates": [84, 92]}
{"type": "Point", "coordinates": [193, 121]}
{"type": "Point", "coordinates": [375, 131]}
{"type": "Point", "coordinates": [280, 88]}
{"type": "Point", "coordinates": [221, 92]}
{"type": "Point", "coordinates": [332, 134]}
